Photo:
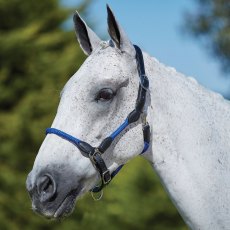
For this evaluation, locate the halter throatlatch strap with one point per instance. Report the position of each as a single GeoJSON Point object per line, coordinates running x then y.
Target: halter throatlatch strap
{"type": "Point", "coordinates": [95, 153]}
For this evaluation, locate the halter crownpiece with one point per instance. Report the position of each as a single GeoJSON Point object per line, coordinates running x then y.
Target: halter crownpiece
{"type": "Point", "coordinates": [95, 153]}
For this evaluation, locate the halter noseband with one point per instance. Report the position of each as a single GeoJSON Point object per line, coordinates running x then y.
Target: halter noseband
{"type": "Point", "coordinates": [95, 153]}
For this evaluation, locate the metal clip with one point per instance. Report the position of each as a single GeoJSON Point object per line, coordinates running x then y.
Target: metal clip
{"type": "Point", "coordinates": [97, 198]}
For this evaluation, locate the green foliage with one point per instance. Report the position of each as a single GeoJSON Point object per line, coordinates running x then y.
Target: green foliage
{"type": "Point", "coordinates": [211, 21]}
{"type": "Point", "coordinates": [36, 59]}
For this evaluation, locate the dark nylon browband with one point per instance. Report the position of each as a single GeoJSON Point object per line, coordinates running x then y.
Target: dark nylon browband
{"type": "Point", "coordinates": [94, 153]}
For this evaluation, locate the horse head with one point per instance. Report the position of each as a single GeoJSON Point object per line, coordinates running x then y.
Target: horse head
{"type": "Point", "coordinates": [94, 102]}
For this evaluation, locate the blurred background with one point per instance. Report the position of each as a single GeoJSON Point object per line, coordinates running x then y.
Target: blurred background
{"type": "Point", "coordinates": [39, 53]}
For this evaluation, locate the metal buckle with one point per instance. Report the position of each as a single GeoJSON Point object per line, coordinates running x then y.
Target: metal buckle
{"type": "Point", "coordinates": [97, 151]}
{"type": "Point", "coordinates": [91, 156]}
{"type": "Point", "coordinates": [104, 175]}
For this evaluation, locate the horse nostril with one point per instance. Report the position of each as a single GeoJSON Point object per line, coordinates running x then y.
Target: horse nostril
{"type": "Point", "coordinates": [46, 188]}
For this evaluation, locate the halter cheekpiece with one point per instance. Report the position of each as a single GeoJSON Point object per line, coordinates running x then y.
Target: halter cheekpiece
{"type": "Point", "coordinates": [95, 153]}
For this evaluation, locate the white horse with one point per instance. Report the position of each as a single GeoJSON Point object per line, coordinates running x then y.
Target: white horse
{"type": "Point", "coordinates": [190, 133]}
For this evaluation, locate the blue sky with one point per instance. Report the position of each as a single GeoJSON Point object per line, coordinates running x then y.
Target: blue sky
{"type": "Point", "coordinates": [156, 27]}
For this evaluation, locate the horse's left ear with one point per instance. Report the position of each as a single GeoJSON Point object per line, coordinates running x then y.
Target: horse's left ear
{"type": "Point", "coordinates": [118, 35]}
{"type": "Point", "coordinates": [87, 39]}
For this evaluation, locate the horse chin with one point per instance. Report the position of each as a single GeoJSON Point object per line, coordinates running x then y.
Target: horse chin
{"type": "Point", "coordinates": [67, 205]}
{"type": "Point", "coordinates": [64, 209]}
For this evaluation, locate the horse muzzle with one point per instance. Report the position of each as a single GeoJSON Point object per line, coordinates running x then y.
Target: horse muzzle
{"type": "Point", "coordinates": [53, 194]}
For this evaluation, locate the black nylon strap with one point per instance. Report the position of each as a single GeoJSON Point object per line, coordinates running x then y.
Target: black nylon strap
{"type": "Point", "coordinates": [102, 169]}
{"type": "Point", "coordinates": [100, 166]}
{"type": "Point", "coordinates": [144, 82]}
{"type": "Point", "coordinates": [140, 61]}
{"type": "Point", "coordinates": [146, 133]}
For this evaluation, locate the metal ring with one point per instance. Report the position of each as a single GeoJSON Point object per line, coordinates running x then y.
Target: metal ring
{"type": "Point", "coordinates": [97, 198]}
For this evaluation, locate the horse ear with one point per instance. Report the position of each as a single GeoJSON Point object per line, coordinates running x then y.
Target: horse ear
{"type": "Point", "coordinates": [118, 35]}
{"type": "Point", "coordinates": [87, 39]}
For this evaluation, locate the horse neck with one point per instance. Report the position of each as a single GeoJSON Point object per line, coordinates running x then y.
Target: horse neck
{"type": "Point", "coordinates": [190, 145]}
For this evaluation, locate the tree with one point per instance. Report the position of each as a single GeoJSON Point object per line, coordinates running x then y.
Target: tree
{"type": "Point", "coordinates": [211, 21]}
{"type": "Point", "coordinates": [37, 56]}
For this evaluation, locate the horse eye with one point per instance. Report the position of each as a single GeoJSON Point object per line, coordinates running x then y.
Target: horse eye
{"type": "Point", "coordinates": [105, 95]}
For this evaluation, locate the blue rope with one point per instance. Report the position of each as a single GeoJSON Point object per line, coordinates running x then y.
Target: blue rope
{"type": "Point", "coordinates": [116, 171]}
{"type": "Point", "coordinates": [64, 135]}
{"type": "Point", "coordinates": [146, 146]}
{"type": "Point", "coordinates": [120, 129]}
